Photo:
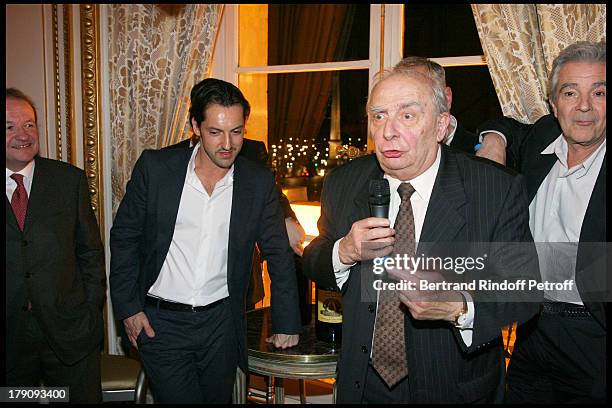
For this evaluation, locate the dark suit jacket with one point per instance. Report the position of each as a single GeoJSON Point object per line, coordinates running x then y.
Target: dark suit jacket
{"type": "Point", "coordinates": [57, 263]}
{"type": "Point", "coordinates": [464, 140]}
{"type": "Point", "coordinates": [473, 200]}
{"type": "Point", "coordinates": [144, 226]}
{"type": "Point", "coordinates": [526, 142]}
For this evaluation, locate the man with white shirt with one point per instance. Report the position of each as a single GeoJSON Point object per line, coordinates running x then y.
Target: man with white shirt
{"type": "Point", "coordinates": [449, 348]}
{"type": "Point", "coordinates": [54, 276]}
{"type": "Point", "coordinates": [560, 357]}
{"type": "Point", "coordinates": [181, 247]}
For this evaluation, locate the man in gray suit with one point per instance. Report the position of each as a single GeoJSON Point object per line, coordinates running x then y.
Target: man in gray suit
{"type": "Point", "coordinates": [448, 347]}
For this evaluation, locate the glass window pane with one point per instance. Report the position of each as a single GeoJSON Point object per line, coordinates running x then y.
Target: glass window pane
{"type": "Point", "coordinates": [474, 97]}
{"type": "Point", "coordinates": [440, 30]}
{"type": "Point", "coordinates": [305, 33]}
{"type": "Point", "coordinates": [300, 118]}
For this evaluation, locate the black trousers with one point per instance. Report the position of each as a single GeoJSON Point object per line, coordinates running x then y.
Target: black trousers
{"type": "Point", "coordinates": [38, 362]}
{"type": "Point", "coordinates": [193, 357]}
{"type": "Point", "coordinates": [558, 359]}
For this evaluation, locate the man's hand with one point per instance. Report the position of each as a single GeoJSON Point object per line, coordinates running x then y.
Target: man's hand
{"type": "Point", "coordinates": [134, 324]}
{"type": "Point", "coordinates": [428, 304]}
{"type": "Point", "coordinates": [375, 233]}
{"type": "Point", "coordinates": [284, 341]}
{"type": "Point", "coordinates": [296, 235]}
{"type": "Point", "coordinates": [493, 147]}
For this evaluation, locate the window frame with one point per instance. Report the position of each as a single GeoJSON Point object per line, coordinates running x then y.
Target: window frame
{"type": "Point", "coordinates": [386, 49]}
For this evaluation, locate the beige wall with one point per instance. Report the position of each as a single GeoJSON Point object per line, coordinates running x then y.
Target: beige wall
{"type": "Point", "coordinates": [25, 58]}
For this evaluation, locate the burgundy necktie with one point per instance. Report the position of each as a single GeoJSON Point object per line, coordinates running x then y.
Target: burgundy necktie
{"type": "Point", "coordinates": [389, 350]}
{"type": "Point", "coordinates": [19, 201]}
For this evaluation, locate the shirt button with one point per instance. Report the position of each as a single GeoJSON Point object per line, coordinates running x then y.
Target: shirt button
{"type": "Point", "coordinates": [357, 385]}
{"type": "Point", "coordinates": [364, 349]}
{"type": "Point", "coordinates": [371, 308]}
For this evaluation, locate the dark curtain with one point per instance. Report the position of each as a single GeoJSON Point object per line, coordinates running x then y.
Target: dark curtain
{"type": "Point", "coordinates": [297, 102]}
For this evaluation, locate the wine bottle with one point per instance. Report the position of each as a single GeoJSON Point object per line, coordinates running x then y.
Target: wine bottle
{"type": "Point", "coordinates": [328, 324]}
{"type": "Point", "coordinates": [304, 292]}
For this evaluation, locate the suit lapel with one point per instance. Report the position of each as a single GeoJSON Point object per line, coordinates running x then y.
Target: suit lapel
{"type": "Point", "coordinates": [590, 260]}
{"type": "Point", "coordinates": [536, 172]}
{"type": "Point", "coordinates": [361, 210]}
{"type": "Point", "coordinates": [170, 192]}
{"type": "Point", "coordinates": [11, 220]}
{"type": "Point", "coordinates": [443, 218]}
{"type": "Point", "coordinates": [593, 227]}
{"type": "Point", "coordinates": [42, 188]}
{"type": "Point", "coordinates": [243, 193]}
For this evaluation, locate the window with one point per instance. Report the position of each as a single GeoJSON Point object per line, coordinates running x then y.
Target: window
{"type": "Point", "coordinates": [447, 33]}
{"type": "Point", "coordinates": [307, 70]}
{"type": "Point", "coordinates": [310, 99]}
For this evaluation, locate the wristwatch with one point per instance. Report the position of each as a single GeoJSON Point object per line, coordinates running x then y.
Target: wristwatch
{"type": "Point", "coordinates": [461, 316]}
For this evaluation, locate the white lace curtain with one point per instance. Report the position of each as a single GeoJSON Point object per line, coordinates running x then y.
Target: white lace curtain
{"type": "Point", "coordinates": [520, 42]}
{"type": "Point", "coordinates": [156, 54]}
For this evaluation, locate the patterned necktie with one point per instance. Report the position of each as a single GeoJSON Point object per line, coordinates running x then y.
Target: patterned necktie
{"type": "Point", "coordinates": [19, 200]}
{"type": "Point", "coordinates": [389, 353]}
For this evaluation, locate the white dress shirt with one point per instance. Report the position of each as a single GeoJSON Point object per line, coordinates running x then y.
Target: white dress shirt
{"type": "Point", "coordinates": [556, 215]}
{"type": "Point", "coordinates": [11, 185]}
{"type": "Point", "coordinates": [423, 185]}
{"type": "Point", "coordinates": [195, 269]}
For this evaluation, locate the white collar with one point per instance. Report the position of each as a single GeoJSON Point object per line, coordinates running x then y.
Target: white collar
{"type": "Point", "coordinates": [560, 148]}
{"type": "Point", "coordinates": [423, 183]}
{"type": "Point", "coordinates": [27, 172]}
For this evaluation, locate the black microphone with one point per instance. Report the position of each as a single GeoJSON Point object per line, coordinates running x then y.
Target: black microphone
{"type": "Point", "coordinates": [380, 195]}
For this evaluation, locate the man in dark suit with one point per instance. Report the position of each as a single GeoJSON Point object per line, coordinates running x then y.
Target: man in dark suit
{"type": "Point", "coordinates": [55, 279]}
{"type": "Point", "coordinates": [256, 151]}
{"type": "Point", "coordinates": [413, 346]}
{"type": "Point", "coordinates": [560, 357]}
{"type": "Point", "coordinates": [179, 274]}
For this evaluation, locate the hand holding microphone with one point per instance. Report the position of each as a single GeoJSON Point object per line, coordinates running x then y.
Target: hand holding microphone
{"type": "Point", "coordinates": [371, 237]}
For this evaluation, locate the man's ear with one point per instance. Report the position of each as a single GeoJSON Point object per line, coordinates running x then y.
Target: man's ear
{"type": "Point", "coordinates": [195, 127]}
{"type": "Point", "coordinates": [442, 126]}
{"type": "Point", "coordinates": [449, 97]}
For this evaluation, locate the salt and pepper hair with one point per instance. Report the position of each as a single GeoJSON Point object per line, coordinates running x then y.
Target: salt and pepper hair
{"type": "Point", "coordinates": [581, 51]}
{"type": "Point", "coordinates": [15, 93]}
{"type": "Point", "coordinates": [438, 87]}
{"type": "Point", "coordinates": [432, 68]}
{"type": "Point", "coordinates": [434, 71]}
